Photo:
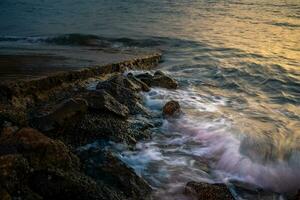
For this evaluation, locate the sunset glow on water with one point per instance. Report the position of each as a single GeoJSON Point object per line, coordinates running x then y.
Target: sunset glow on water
{"type": "Point", "coordinates": [237, 64]}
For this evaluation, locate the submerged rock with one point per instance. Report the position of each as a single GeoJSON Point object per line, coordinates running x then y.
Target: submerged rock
{"type": "Point", "coordinates": [205, 191]}
{"type": "Point", "coordinates": [171, 109]}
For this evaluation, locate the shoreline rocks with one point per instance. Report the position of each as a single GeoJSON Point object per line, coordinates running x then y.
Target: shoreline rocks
{"type": "Point", "coordinates": [38, 156]}
{"type": "Point", "coordinates": [45, 122]}
{"type": "Point", "coordinates": [159, 79]}
{"type": "Point", "coordinates": [205, 191]}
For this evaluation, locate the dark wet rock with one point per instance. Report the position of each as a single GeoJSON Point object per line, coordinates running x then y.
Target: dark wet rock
{"type": "Point", "coordinates": [105, 167]}
{"type": "Point", "coordinates": [61, 115]}
{"type": "Point", "coordinates": [205, 191]}
{"type": "Point", "coordinates": [8, 129]}
{"type": "Point", "coordinates": [159, 79]}
{"type": "Point", "coordinates": [40, 151]}
{"type": "Point", "coordinates": [95, 126]}
{"type": "Point", "coordinates": [297, 197]}
{"type": "Point", "coordinates": [251, 191]}
{"type": "Point", "coordinates": [143, 85]}
{"type": "Point", "coordinates": [146, 78]}
{"type": "Point", "coordinates": [171, 109]}
{"type": "Point", "coordinates": [103, 102]}
{"type": "Point", "coordinates": [13, 168]}
{"type": "Point", "coordinates": [125, 91]}
{"type": "Point", "coordinates": [164, 81]}
{"type": "Point", "coordinates": [118, 82]}
{"type": "Point", "coordinates": [159, 73]}
{"type": "Point", "coordinates": [14, 171]}
{"type": "Point", "coordinates": [56, 184]}
{"type": "Point", "coordinates": [4, 195]}
{"type": "Point", "coordinates": [33, 166]}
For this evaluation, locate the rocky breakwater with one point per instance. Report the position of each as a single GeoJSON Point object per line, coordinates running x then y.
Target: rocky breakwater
{"type": "Point", "coordinates": [42, 152]}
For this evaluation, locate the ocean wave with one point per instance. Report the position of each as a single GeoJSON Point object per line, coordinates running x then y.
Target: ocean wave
{"type": "Point", "coordinates": [285, 24]}
{"type": "Point", "coordinates": [76, 39]}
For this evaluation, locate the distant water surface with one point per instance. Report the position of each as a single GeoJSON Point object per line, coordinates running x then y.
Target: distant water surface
{"type": "Point", "coordinates": [238, 64]}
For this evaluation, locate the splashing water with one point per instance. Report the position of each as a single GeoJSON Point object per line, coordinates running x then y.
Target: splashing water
{"type": "Point", "coordinates": [204, 145]}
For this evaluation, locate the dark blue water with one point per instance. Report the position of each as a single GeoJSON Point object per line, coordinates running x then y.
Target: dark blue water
{"type": "Point", "coordinates": [238, 64]}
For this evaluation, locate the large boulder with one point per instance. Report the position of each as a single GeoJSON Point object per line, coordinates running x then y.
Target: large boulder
{"type": "Point", "coordinates": [145, 77]}
{"type": "Point", "coordinates": [102, 101]}
{"type": "Point", "coordinates": [205, 191]}
{"type": "Point", "coordinates": [40, 151]}
{"type": "Point", "coordinates": [56, 184]}
{"type": "Point", "coordinates": [95, 126]}
{"type": "Point", "coordinates": [144, 87]}
{"type": "Point", "coordinates": [62, 115]}
{"type": "Point", "coordinates": [125, 91]}
{"type": "Point", "coordinates": [104, 166]}
{"type": "Point", "coordinates": [33, 167]}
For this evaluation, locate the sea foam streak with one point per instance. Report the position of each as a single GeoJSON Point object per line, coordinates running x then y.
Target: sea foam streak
{"type": "Point", "coordinates": [202, 148]}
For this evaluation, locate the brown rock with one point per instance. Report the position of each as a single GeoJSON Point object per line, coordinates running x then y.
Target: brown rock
{"type": "Point", "coordinates": [40, 151]}
{"type": "Point", "coordinates": [146, 78]}
{"type": "Point", "coordinates": [103, 101]}
{"type": "Point", "coordinates": [6, 131]}
{"type": "Point", "coordinates": [104, 166]}
{"type": "Point", "coordinates": [162, 80]}
{"type": "Point", "coordinates": [205, 191]}
{"type": "Point", "coordinates": [125, 91]}
{"type": "Point", "coordinates": [4, 195]}
{"type": "Point", "coordinates": [143, 85]}
{"type": "Point", "coordinates": [13, 169]}
{"type": "Point", "coordinates": [56, 184]}
{"type": "Point", "coordinates": [171, 109]}
{"type": "Point", "coordinates": [62, 115]}
{"type": "Point", "coordinates": [159, 79]}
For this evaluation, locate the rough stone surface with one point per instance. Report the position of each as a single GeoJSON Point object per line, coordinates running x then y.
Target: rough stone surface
{"type": "Point", "coordinates": [125, 91]}
{"type": "Point", "coordinates": [159, 79]}
{"type": "Point", "coordinates": [13, 169]}
{"type": "Point", "coordinates": [145, 77]}
{"type": "Point", "coordinates": [34, 166]}
{"type": "Point", "coordinates": [95, 126]}
{"type": "Point", "coordinates": [164, 81]}
{"type": "Point", "coordinates": [40, 151]}
{"type": "Point", "coordinates": [105, 167]}
{"type": "Point", "coordinates": [103, 102]}
{"type": "Point", "coordinates": [62, 115]}
{"type": "Point", "coordinates": [205, 191]}
{"type": "Point", "coordinates": [144, 87]}
{"type": "Point", "coordinates": [55, 184]}
{"type": "Point", "coordinates": [171, 109]}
